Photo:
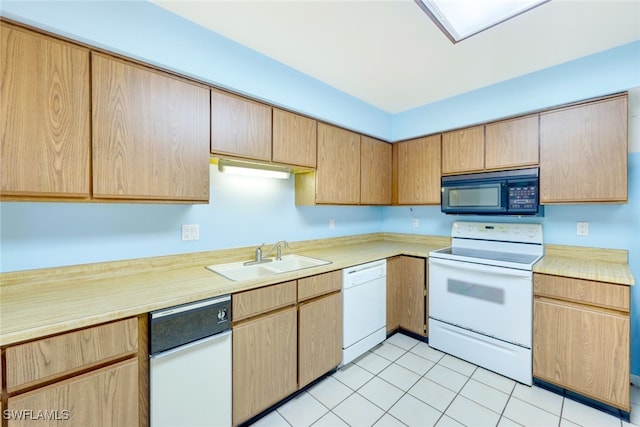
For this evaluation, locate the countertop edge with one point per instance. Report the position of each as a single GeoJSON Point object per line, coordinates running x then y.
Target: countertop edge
{"type": "Point", "coordinates": [196, 282]}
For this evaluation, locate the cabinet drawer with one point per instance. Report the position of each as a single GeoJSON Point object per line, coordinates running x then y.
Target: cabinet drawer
{"type": "Point", "coordinates": [257, 301]}
{"type": "Point", "coordinates": [313, 286]}
{"type": "Point", "coordinates": [106, 397]}
{"type": "Point", "coordinates": [59, 355]}
{"type": "Point", "coordinates": [607, 295]}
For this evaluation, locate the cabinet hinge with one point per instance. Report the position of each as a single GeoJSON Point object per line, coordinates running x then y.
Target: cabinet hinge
{"type": "Point", "coordinates": [424, 328]}
{"type": "Point", "coordinates": [425, 292]}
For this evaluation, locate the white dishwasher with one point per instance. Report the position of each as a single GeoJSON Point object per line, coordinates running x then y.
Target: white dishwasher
{"type": "Point", "coordinates": [190, 364]}
{"type": "Point", "coordinates": [364, 309]}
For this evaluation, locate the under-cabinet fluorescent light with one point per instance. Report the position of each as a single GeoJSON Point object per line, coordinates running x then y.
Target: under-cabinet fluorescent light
{"type": "Point", "coordinates": [460, 19]}
{"type": "Point", "coordinates": [237, 167]}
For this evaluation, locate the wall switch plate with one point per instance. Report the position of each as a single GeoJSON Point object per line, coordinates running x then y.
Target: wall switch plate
{"type": "Point", "coordinates": [415, 222]}
{"type": "Point", "coordinates": [190, 232]}
{"type": "Point", "coordinates": [582, 228]}
{"type": "Point", "coordinates": [332, 223]}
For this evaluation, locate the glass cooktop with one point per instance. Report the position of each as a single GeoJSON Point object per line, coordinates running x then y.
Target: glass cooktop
{"type": "Point", "coordinates": [482, 254]}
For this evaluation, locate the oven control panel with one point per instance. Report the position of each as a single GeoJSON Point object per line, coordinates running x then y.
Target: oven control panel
{"type": "Point", "coordinates": [508, 232]}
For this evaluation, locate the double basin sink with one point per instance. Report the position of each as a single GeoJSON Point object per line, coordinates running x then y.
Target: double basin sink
{"type": "Point", "coordinates": [238, 271]}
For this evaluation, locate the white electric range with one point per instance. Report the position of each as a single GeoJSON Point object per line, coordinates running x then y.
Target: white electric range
{"type": "Point", "coordinates": [481, 295]}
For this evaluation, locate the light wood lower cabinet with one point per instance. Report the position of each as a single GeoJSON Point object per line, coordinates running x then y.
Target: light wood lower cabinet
{"type": "Point", "coordinates": [105, 397]}
{"type": "Point", "coordinates": [581, 337]}
{"type": "Point", "coordinates": [264, 362]}
{"type": "Point", "coordinates": [282, 342]}
{"type": "Point", "coordinates": [407, 294]}
{"type": "Point", "coordinates": [320, 337]}
{"type": "Point", "coordinates": [88, 377]}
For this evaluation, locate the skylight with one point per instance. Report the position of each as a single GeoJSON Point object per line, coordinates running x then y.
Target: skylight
{"type": "Point", "coordinates": [460, 19]}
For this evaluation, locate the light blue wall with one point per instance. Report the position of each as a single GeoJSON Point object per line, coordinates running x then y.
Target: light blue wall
{"type": "Point", "coordinates": [607, 72]}
{"type": "Point", "coordinates": [245, 212]}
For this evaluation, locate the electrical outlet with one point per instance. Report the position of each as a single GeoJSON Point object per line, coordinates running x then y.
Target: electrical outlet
{"type": "Point", "coordinates": [582, 228]}
{"type": "Point", "coordinates": [332, 223]}
{"type": "Point", "coordinates": [190, 232]}
{"type": "Point", "coordinates": [415, 222]}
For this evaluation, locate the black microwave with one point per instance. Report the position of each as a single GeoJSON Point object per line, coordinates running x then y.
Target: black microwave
{"type": "Point", "coordinates": [512, 192]}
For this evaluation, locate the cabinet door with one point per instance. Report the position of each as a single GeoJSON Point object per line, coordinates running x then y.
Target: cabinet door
{"type": "Point", "coordinates": [44, 115]}
{"type": "Point", "coordinates": [375, 175]}
{"type": "Point", "coordinates": [264, 362]}
{"type": "Point", "coordinates": [583, 153]}
{"type": "Point", "coordinates": [408, 276]}
{"type": "Point", "coordinates": [320, 337]}
{"type": "Point", "coordinates": [583, 350]}
{"type": "Point", "coordinates": [418, 171]}
{"type": "Point", "coordinates": [512, 143]}
{"type": "Point", "coordinates": [105, 397]}
{"type": "Point", "coordinates": [463, 150]}
{"type": "Point", "coordinates": [294, 139]}
{"type": "Point", "coordinates": [240, 127]}
{"type": "Point", "coordinates": [150, 134]}
{"type": "Point", "coordinates": [394, 278]}
{"type": "Point", "coordinates": [338, 173]}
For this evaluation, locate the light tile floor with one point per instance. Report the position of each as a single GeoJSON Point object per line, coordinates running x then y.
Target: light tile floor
{"type": "Point", "coordinates": [404, 382]}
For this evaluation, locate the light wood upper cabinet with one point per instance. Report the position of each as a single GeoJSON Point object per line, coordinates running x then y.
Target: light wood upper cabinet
{"type": "Point", "coordinates": [463, 150]}
{"type": "Point", "coordinates": [338, 172]}
{"type": "Point", "coordinates": [150, 134]}
{"type": "Point", "coordinates": [44, 115]}
{"type": "Point", "coordinates": [294, 139]}
{"type": "Point", "coordinates": [375, 172]}
{"type": "Point", "coordinates": [512, 143]}
{"type": "Point", "coordinates": [417, 171]}
{"type": "Point", "coordinates": [506, 144]}
{"type": "Point", "coordinates": [583, 153]}
{"type": "Point", "coordinates": [240, 127]}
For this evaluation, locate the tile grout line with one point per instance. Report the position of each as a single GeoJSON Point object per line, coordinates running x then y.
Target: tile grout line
{"type": "Point", "coordinates": [511, 396]}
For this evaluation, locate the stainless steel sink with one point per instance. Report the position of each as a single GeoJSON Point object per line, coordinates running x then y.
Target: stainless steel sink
{"type": "Point", "coordinates": [237, 271]}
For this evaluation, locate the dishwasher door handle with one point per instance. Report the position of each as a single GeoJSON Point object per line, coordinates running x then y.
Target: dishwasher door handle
{"type": "Point", "coordinates": [190, 345]}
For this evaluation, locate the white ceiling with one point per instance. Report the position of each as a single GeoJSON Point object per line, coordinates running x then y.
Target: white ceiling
{"type": "Point", "coordinates": [388, 53]}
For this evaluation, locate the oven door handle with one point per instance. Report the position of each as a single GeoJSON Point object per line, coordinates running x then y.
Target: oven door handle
{"type": "Point", "coordinates": [470, 266]}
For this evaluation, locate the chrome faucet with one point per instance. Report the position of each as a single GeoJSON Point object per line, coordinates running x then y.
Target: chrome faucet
{"type": "Point", "coordinates": [261, 259]}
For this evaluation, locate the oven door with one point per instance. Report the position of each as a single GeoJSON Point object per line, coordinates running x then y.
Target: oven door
{"type": "Point", "coordinates": [493, 301]}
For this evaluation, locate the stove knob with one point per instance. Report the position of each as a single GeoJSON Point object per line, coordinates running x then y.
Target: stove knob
{"type": "Point", "coordinates": [222, 315]}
